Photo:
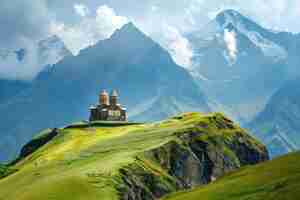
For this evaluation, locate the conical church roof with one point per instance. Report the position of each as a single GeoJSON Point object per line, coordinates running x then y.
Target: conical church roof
{"type": "Point", "coordinates": [114, 93]}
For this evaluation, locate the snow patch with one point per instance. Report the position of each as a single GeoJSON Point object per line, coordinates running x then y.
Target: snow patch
{"type": "Point", "coordinates": [269, 48]}
{"type": "Point", "coordinates": [231, 44]}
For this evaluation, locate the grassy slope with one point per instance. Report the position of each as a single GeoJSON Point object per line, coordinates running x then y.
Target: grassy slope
{"type": "Point", "coordinates": [277, 179]}
{"type": "Point", "coordinates": [83, 162]}
{"type": "Point", "coordinates": [6, 171]}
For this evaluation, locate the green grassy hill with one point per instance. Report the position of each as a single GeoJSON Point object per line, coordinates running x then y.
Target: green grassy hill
{"type": "Point", "coordinates": [6, 171]}
{"type": "Point", "coordinates": [277, 179]}
{"type": "Point", "coordinates": [129, 161]}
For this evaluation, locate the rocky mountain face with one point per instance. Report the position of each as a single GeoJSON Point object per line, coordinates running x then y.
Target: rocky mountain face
{"type": "Point", "coordinates": [242, 68]}
{"type": "Point", "coordinates": [151, 85]}
{"type": "Point", "coordinates": [142, 161]}
{"type": "Point", "coordinates": [239, 64]}
{"type": "Point", "coordinates": [252, 182]}
{"type": "Point", "coordinates": [278, 123]}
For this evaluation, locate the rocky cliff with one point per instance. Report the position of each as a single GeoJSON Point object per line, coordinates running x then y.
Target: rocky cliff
{"type": "Point", "coordinates": [196, 157]}
{"type": "Point", "coordinates": [276, 179]}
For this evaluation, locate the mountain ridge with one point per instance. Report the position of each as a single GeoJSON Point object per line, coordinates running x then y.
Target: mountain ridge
{"type": "Point", "coordinates": [278, 122]}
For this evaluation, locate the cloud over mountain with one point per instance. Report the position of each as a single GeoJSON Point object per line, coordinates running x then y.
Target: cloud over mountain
{"type": "Point", "coordinates": [84, 22]}
{"type": "Point", "coordinates": [22, 22]}
{"type": "Point", "coordinates": [90, 29]}
{"type": "Point", "coordinates": [81, 10]}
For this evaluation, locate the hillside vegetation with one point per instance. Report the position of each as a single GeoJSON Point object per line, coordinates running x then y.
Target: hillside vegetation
{"type": "Point", "coordinates": [277, 179]}
{"type": "Point", "coordinates": [129, 161]}
{"type": "Point", "coordinates": [5, 171]}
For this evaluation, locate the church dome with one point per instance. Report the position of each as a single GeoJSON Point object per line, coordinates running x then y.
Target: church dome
{"type": "Point", "coordinates": [104, 98]}
{"type": "Point", "coordinates": [104, 93]}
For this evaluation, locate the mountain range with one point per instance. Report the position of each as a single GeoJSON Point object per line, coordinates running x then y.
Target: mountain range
{"type": "Point", "coordinates": [239, 67]}
{"type": "Point", "coordinates": [151, 85]}
{"type": "Point", "coordinates": [251, 73]}
{"type": "Point", "coordinates": [239, 64]}
{"type": "Point", "coordinates": [50, 151]}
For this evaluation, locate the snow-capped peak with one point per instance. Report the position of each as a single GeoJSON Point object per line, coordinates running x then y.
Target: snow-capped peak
{"type": "Point", "coordinates": [230, 13]}
{"type": "Point", "coordinates": [233, 21]}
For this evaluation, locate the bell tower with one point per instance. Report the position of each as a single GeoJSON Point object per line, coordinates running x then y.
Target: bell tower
{"type": "Point", "coordinates": [104, 98]}
{"type": "Point", "coordinates": [114, 98]}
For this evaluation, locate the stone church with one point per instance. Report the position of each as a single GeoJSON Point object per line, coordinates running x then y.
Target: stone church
{"type": "Point", "coordinates": [108, 108]}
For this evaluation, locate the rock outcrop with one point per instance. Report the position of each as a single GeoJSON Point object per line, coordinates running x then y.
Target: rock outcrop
{"type": "Point", "coordinates": [195, 157]}
{"type": "Point", "coordinates": [37, 142]}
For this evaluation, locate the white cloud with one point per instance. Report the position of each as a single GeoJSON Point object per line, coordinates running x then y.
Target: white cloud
{"type": "Point", "coordinates": [169, 37]}
{"type": "Point", "coordinates": [165, 21]}
{"type": "Point", "coordinates": [81, 9]}
{"type": "Point", "coordinates": [177, 45]}
{"type": "Point", "coordinates": [231, 44]}
{"type": "Point", "coordinates": [33, 60]}
{"type": "Point", "coordinates": [12, 68]}
{"type": "Point", "coordinates": [107, 21]}
{"type": "Point", "coordinates": [90, 29]}
{"type": "Point", "coordinates": [154, 8]}
{"type": "Point", "coordinates": [167, 24]}
{"type": "Point", "coordinates": [22, 24]}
